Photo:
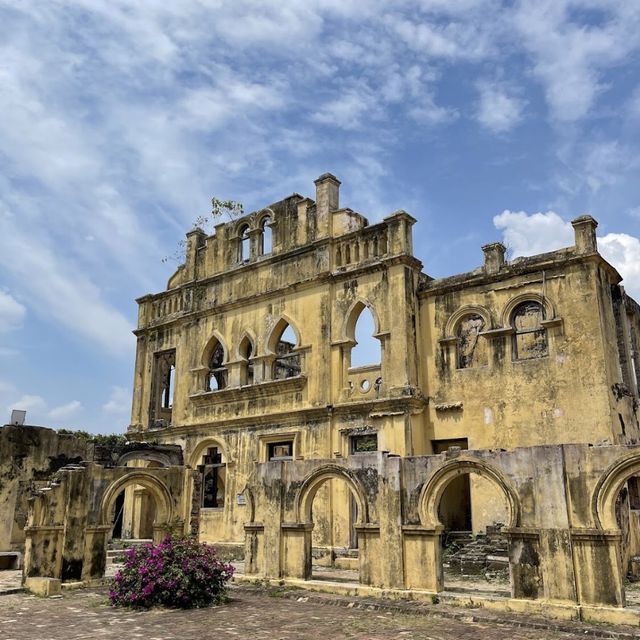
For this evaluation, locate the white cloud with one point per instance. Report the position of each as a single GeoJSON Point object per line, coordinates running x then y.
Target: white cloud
{"type": "Point", "coordinates": [119, 401]}
{"type": "Point", "coordinates": [623, 252]}
{"type": "Point", "coordinates": [66, 410]}
{"type": "Point", "coordinates": [497, 110]}
{"type": "Point", "coordinates": [529, 234]}
{"type": "Point", "coordinates": [12, 313]}
{"type": "Point", "coordinates": [28, 403]}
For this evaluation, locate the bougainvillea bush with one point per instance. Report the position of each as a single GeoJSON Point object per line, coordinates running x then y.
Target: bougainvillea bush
{"type": "Point", "coordinates": [178, 572]}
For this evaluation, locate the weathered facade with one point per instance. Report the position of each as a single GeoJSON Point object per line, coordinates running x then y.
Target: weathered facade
{"type": "Point", "coordinates": [536, 351]}
{"type": "Point", "coordinates": [505, 396]}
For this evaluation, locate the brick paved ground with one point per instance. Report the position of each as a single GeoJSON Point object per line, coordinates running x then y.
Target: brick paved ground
{"type": "Point", "coordinates": [253, 613]}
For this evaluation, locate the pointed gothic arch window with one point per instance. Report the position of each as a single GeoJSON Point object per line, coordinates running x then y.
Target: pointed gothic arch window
{"type": "Point", "coordinates": [246, 353]}
{"type": "Point", "coordinates": [367, 349]}
{"type": "Point", "coordinates": [287, 361]}
{"type": "Point", "coordinates": [217, 374]}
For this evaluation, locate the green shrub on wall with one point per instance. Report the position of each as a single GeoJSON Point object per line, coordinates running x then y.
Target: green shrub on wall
{"type": "Point", "coordinates": [178, 572]}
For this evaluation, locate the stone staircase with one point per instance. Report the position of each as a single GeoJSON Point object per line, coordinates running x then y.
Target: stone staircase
{"type": "Point", "coordinates": [466, 554]}
{"type": "Point", "coordinates": [116, 550]}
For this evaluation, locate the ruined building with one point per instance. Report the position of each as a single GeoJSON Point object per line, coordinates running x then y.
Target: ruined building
{"type": "Point", "coordinates": [506, 396]}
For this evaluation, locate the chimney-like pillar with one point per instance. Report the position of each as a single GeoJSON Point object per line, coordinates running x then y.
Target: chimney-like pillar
{"type": "Point", "coordinates": [327, 201]}
{"type": "Point", "coordinates": [585, 231]}
{"type": "Point", "coordinates": [493, 257]}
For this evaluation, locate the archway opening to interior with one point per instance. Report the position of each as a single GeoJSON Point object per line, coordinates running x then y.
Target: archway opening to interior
{"type": "Point", "coordinates": [473, 510]}
{"type": "Point", "coordinates": [334, 538]}
{"type": "Point", "coordinates": [627, 512]}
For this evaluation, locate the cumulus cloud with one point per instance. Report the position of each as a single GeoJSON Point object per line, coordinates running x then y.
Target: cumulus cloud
{"type": "Point", "coordinates": [12, 313]}
{"type": "Point", "coordinates": [28, 402]}
{"type": "Point", "coordinates": [529, 234]}
{"type": "Point", "coordinates": [498, 110]}
{"type": "Point", "coordinates": [119, 401]}
{"type": "Point", "coordinates": [66, 410]}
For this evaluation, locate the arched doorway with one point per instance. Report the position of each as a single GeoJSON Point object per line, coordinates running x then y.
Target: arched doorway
{"type": "Point", "coordinates": [472, 502]}
{"type": "Point", "coordinates": [331, 503]}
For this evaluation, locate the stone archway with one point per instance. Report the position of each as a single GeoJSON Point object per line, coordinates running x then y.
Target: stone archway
{"type": "Point", "coordinates": [603, 501]}
{"type": "Point", "coordinates": [433, 490]}
{"type": "Point", "coordinates": [156, 489]}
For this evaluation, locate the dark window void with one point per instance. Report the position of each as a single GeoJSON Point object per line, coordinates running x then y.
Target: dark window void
{"type": "Point", "coordinates": [213, 471]}
{"type": "Point", "coordinates": [246, 353]}
{"type": "Point", "coordinates": [469, 348]}
{"type": "Point", "coordinates": [217, 375]}
{"type": "Point", "coordinates": [287, 361]}
{"type": "Point", "coordinates": [364, 443]}
{"type": "Point", "coordinates": [280, 450]}
{"type": "Point", "coordinates": [530, 338]}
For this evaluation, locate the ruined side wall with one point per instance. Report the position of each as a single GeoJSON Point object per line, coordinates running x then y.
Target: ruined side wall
{"type": "Point", "coordinates": [504, 403]}
{"type": "Point", "coordinates": [28, 456]}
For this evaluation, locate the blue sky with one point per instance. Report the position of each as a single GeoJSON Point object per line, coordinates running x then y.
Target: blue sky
{"type": "Point", "coordinates": [120, 120]}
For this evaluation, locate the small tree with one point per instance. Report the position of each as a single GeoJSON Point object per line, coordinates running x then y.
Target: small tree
{"type": "Point", "coordinates": [229, 209]}
{"type": "Point", "coordinates": [178, 573]}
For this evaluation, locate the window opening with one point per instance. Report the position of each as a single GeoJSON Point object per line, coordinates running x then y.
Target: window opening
{"type": "Point", "coordinates": [367, 350]}
{"type": "Point", "coordinates": [217, 376]}
{"type": "Point", "coordinates": [287, 362]}
{"type": "Point", "coordinates": [364, 443]}
{"type": "Point", "coordinates": [280, 450]}
{"type": "Point", "coordinates": [469, 330]}
{"type": "Point", "coordinates": [163, 386]}
{"type": "Point", "coordinates": [213, 471]}
{"type": "Point", "coordinates": [530, 338]}
{"type": "Point", "coordinates": [244, 244]}
{"type": "Point", "coordinates": [266, 237]}
{"type": "Point", "coordinates": [246, 352]}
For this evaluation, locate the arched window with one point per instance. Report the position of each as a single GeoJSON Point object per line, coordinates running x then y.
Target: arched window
{"type": "Point", "coordinates": [213, 477]}
{"type": "Point", "coordinates": [530, 337]}
{"type": "Point", "coordinates": [287, 360]}
{"type": "Point", "coordinates": [244, 248]}
{"type": "Point", "coordinates": [367, 350]}
{"type": "Point", "coordinates": [469, 351]}
{"type": "Point", "coordinates": [217, 375]}
{"type": "Point", "coordinates": [246, 353]}
{"type": "Point", "coordinates": [266, 236]}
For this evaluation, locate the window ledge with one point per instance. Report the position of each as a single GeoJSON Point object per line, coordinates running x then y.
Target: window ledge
{"type": "Point", "coordinates": [266, 388]}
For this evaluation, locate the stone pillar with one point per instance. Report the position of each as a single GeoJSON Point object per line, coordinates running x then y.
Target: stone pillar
{"type": "Point", "coordinates": [493, 257]}
{"type": "Point", "coordinates": [95, 552]}
{"type": "Point", "coordinates": [254, 548]}
{"type": "Point", "coordinates": [327, 201]}
{"type": "Point", "coordinates": [296, 550]}
{"type": "Point", "coordinates": [370, 555]}
{"type": "Point", "coordinates": [585, 234]}
{"type": "Point", "coordinates": [524, 563]}
{"type": "Point", "coordinates": [597, 558]}
{"type": "Point", "coordinates": [423, 558]}
{"type": "Point", "coordinates": [43, 551]}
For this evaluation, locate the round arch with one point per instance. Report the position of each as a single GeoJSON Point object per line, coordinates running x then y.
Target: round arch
{"type": "Point", "coordinates": [157, 489]}
{"type": "Point", "coordinates": [307, 492]}
{"type": "Point", "coordinates": [606, 491]}
{"type": "Point", "coordinates": [281, 324]}
{"type": "Point", "coordinates": [203, 445]}
{"type": "Point", "coordinates": [433, 490]}
{"type": "Point", "coordinates": [352, 315]}
{"type": "Point", "coordinates": [262, 214]}
{"type": "Point", "coordinates": [509, 308]}
{"type": "Point", "coordinates": [215, 339]}
{"type": "Point", "coordinates": [457, 316]}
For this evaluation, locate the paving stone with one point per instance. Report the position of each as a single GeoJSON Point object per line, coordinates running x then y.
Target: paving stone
{"type": "Point", "coordinates": [253, 613]}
